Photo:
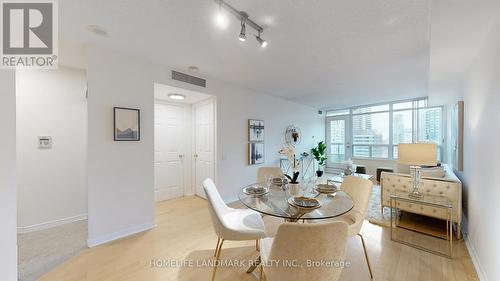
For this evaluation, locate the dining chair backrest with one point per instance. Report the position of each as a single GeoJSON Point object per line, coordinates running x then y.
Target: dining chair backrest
{"type": "Point", "coordinates": [262, 172]}
{"type": "Point", "coordinates": [300, 243]}
{"type": "Point", "coordinates": [216, 206]}
{"type": "Point", "coordinates": [360, 191]}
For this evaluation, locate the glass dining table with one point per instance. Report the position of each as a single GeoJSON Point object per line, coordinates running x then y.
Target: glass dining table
{"type": "Point", "coordinates": [276, 202]}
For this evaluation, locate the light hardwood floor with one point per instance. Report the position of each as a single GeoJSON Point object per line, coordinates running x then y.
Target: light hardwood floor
{"type": "Point", "coordinates": [184, 232]}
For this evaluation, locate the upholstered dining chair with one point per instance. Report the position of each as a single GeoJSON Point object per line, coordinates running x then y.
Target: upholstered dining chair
{"type": "Point", "coordinates": [360, 191]}
{"type": "Point", "coordinates": [262, 172]}
{"type": "Point", "coordinates": [231, 224]}
{"type": "Point", "coordinates": [286, 256]}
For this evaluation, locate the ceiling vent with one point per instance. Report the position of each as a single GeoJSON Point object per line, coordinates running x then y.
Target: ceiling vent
{"type": "Point", "coordinates": [179, 76]}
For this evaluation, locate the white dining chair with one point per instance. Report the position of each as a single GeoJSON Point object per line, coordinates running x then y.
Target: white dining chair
{"type": "Point", "coordinates": [289, 254]}
{"type": "Point", "coordinates": [360, 191]}
{"type": "Point", "coordinates": [231, 224]}
{"type": "Point", "coordinates": [262, 172]}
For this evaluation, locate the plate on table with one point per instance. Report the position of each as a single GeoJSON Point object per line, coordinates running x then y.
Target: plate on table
{"type": "Point", "coordinates": [255, 190]}
{"type": "Point", "coordinates": [304, 202]}
{"type": "Point", "coordinates": [279, 181]}
{"type": "Point", "coordinates": [326, 188]}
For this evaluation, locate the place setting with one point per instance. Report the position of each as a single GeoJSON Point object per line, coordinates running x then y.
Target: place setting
{"type": "Point", "coordinates": [304, 202]}
{"type": "Point", "coordinates": [329, 189]}
{"type": "Point", "coordinates": [256, 190]}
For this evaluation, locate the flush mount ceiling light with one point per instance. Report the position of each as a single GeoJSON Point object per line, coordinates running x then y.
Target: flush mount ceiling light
{"type": "Point", "coordinates": [176, 96]}
{"type": "Point", "coordinates": [244, 20]}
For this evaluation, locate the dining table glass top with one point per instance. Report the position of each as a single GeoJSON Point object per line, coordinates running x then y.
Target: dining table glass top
{"type": "Point", "coordinates": [276, 202]}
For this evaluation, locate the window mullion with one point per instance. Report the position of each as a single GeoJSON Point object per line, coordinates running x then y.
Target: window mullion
{"type": "Point", "coordinates": [391, 132]}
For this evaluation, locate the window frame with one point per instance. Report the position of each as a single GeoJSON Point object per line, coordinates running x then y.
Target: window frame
{"type": "Point", "coordinates": [416, 105]}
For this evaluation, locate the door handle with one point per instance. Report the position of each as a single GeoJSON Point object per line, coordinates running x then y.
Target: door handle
{"type": "Point", "coordinates": [181, 155]}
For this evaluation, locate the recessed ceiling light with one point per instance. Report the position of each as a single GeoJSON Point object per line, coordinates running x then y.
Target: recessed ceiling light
{"type": "Point", "coordinates": [97, 30]}
{"type": "Point", "coordinates": [176, 96]}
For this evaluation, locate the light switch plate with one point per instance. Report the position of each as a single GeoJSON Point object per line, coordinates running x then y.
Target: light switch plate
{"type": "Point", "coordinates": [44, 142]}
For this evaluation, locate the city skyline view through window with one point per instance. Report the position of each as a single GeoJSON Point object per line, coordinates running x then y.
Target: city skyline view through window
{"type": "Point", "coordinates": [375, 131]}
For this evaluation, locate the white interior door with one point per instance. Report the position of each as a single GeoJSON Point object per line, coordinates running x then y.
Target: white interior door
{"type": "Point", "coordinates": [204, 150]}
{"type": "Point", "coordinates": [170, 150]}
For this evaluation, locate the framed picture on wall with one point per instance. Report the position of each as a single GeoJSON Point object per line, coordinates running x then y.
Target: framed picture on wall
{"type": "Point", "coordinates": [256, 153]}
{"type": "Point", "coordinates": [255, 130]}
{"type": "Point", "coordinates": [127, 124]}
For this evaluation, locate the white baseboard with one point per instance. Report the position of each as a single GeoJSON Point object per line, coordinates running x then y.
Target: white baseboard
{"type": "Point", "coordinates": [475, 259]}
{"type": "Point", "coordinates": [50, 224]}
{"type": "Point", "coordinates": [120, 234]}
{"type": "Point", "coordinates": [472, 251]}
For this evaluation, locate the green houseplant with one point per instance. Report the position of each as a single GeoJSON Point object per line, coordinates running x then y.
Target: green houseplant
{"type": "Point", "coordinates": [319, 154]}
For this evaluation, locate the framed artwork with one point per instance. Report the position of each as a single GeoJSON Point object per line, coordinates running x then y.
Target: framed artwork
{"type": "Point", "coordinates": [457, 136]}
{"type": "Point", "coordinates": [256, 153]}
{"type": "Point", "coordinates": [255, 130]}
{"type": "Point", "coordinates": [127, 124]}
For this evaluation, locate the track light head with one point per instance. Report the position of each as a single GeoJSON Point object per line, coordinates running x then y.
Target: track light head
{"type": "Point", "coordinates": [262, 42]}
{"type": "Point", "coordinates": [243, 36]}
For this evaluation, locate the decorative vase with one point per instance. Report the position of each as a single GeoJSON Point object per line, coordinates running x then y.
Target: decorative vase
{"type": "Point", "coordinates": [294, 189]}
{"type": "Point", "coordinates": [319, 173]}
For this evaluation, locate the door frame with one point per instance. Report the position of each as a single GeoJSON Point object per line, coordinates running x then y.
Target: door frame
{"type": "Point", "coordinates": [347, 142]}
{"type": "Point", "coordinates": [213, 100]}
{"type": "Point", "coordinates": [186, 180]}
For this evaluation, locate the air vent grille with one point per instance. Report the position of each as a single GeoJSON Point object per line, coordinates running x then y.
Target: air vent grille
{"type": "Point", "coordinates": [179, 76]}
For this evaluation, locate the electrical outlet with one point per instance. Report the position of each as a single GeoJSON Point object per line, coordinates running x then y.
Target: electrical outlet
{"type": "Point", "coordinates": [44, 142]}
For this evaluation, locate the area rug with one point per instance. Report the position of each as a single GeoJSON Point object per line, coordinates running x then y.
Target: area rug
{"type": "Point", "coordinates": [373, 215]}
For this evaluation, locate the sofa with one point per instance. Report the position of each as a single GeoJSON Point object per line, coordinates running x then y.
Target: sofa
{"type": "Point", "coordinates": [449, 186]}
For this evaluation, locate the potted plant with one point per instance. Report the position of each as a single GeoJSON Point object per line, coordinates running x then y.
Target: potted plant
{"type": "Point", "coordinates": [289, 151]}
{"type": "Point", "coordinates": [319, 154]}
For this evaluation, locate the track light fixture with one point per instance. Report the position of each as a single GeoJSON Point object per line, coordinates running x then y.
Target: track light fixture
{"type": "Point", "coordinates": [245, 20]}
{"type": "Point", "coordinates": [262, 42]}
{"type": "Point", "coordinates": [243, 36]}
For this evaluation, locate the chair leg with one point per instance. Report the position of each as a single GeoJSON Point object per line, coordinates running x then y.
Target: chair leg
{"type": "Point", "coordinates": [217, 256]}
{"type": "Point", "coordinates": [257, 246]}
{"type": "Point", "coordinates": [366, 255]}
{"type": "Point", "coordinates": [217, 247]}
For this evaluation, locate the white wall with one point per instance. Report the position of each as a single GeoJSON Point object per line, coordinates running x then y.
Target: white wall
{"type": "Point", "coordinates": [8, 239]}
{"type": "Point", "coordinates": [52, 183]}
{"type": "Point", "coordinates": [120, 175]}
{"type": "Point", "coordinates": [481, 175]}
{"type": "Point", "coordinates": [234, 108]}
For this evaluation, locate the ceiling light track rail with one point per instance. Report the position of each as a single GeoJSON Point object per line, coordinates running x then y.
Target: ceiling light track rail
{"type": "Point", "coordinates": [240, 15]}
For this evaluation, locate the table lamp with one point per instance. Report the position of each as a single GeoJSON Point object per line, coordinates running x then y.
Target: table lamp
{"type": "Point", "coordinates": [417, 155]}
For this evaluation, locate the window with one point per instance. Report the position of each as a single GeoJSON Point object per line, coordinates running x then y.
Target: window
{"type": "Point", "coordinates": [368, 109]}
{"type": "Point", "coordinates": [430, 126]}
{"type": "Point", "coordinates": [337, 141]}
{"type": "Point", "coordinates": [376, 130]}
{"type": "Point", "coordinates": [370, 134]}
{"type": "Point", "coordinates": [337, 112]}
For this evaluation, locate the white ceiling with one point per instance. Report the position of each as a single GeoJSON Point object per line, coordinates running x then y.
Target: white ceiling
{"type": "Point", "coordinates": [323, 53]}
{"type": "Point", "coordinates": [162, 91]}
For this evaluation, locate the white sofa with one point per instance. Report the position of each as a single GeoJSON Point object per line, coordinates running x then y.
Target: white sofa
{"type": "Point", "coordinates": [449, 186]}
